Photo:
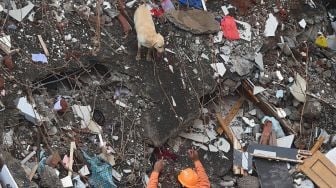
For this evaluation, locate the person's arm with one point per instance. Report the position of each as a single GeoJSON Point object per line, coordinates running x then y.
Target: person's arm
{"type": "Point", "coordinates": [153, 180]}
{"type": "Point", "coordinates": [203, 180]}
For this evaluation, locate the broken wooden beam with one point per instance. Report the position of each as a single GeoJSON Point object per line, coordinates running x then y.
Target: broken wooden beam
{"type": "Point", "coordinates": [232, 113]}
{"type": "Point", "coordinates": [225, 127]}
{"type": "Point", "coordinates": [44, 46]}
{"type": "Point", "coordinates": [246, 89]}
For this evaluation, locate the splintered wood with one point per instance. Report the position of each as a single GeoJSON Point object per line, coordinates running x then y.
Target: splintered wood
{"type": "Point", "coordinates": [44, 46]}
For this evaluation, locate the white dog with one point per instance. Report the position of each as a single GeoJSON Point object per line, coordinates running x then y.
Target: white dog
{"type": "Point", "coordinates": [146, 33]}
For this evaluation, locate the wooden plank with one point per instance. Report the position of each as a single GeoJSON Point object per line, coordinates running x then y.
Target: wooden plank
{"type": "Point", "coordinates": [320, 170]}
{"type": "Point", "coordinates": [229, 117]}
{"type": "Point", "coordinates": [32, 172]}
{"type": "Point", "coordinates": [44, 46]}
{"type": "Point", "coordinates": [317, 145]}
{"type": "Point", "coordinates": [273, 174]}
{"type": "Point", "coordinates": [72, 147]}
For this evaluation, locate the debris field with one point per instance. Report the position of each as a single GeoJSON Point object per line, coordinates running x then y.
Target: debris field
{"type": "Point", "coordinates": [249, 84]}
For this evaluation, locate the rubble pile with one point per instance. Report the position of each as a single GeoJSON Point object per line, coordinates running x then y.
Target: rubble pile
{"type": "Point", "coordinates": [249, 84]}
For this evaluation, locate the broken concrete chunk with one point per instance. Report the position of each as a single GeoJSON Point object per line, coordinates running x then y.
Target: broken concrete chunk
{"type": "Point", "coordinates": [298, 89]}
{"type": "Point", "coordinates": [219, 68]}
{"type": "Point", "coordinates": [244, 30]}
{"type": "Point", "coordinates": [241, 65]}
{"type": "Point", "coordinates": [258, 89]}
{"type": "Point", "coordinates": [28, 110]}
{"type": "Point", "coordinates": [195, 137]}
{"type": "Point", "coordinates": [212, 148]}
{"type": "Point", "coordinates": [286, 141]}
{"type": "Point", "coordinates": [271, 26]}
{"type": "Point", "coordinates": [259, 61]}
{"type": "Point", "coordinates": [49, 178]}
{"type": "Point", "coordinates": [312, 109]}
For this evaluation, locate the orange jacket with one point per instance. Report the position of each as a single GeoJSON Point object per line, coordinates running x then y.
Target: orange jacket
{"type": "Point", "coordinates": [203, 180]}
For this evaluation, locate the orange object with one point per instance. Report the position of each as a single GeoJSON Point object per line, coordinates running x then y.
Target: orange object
{"type": "Point", "coordinates": [202, 178]}
{"type": "Point", "coordinates": [188, 178]}
{"type": "Point", "coordinates": [153, 180]}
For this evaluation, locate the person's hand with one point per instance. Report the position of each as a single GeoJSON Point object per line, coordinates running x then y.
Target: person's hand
{"type": "Point", "coordinates": [193, 154]}
{"type": "Point", "coordinates": [159, 165]}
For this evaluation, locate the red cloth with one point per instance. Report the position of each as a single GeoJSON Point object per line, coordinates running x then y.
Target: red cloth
{"type": "Point", "coordinates": [157, 11]}
{"type": "Point", "coordinates": [229, 28]}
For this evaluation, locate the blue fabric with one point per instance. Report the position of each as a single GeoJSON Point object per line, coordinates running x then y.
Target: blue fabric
{"type": "Point", "coordinates": [101, 173]}
{"type": "Point", "coordinates": [192, 3]}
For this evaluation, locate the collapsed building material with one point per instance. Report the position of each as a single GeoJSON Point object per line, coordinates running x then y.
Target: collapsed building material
{"type": "Point", "coordinates": [320, 169]}
{"type": "Point", "coordinates": [278, 153]}
{"type": "Point", "coordinates": [195, 21]}
{"type": "Point", "coordinates": [273, 174]}
{"type": "Point", "coordinates": [20, 14]}
{"type": "Point", "coordinates": [6, 178]}
{"type": "Point", "coordinates": [229, 117]}
{"type": "Point", "coordinates": [246, 89]}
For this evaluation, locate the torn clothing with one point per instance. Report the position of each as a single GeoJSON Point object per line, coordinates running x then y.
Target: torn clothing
{"type": "Point", "coordinates": [203, 180]}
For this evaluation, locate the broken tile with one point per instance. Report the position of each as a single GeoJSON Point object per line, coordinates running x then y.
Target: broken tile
{"type": "Point", "coordinates": [258, 59]}
{"type": "Point", "coordinates": [249, 122]}
{"type": "Point", "coordinates": [84, 171]}
{"type": "Point", "coordinates": [298, 89]}
{"type": "Point", "coordinates": [20, 14]}
{"type": "Point", "coordinates": [83, 112]}
{"type": "Point", "coordinates": [286, 141]}
{"type": "Point", "coordinates": [6, 177]}
{"type": "Point", "coordinates": [244, 30]}
{"type": "Point", "coordinates": [270, 26]}
{"type": "Point", "coordinates": [258, 89]}
{"type": "Point", "coordinates": [212, 148]}
{"type": "Point", "coordinates": [222, 144]}
{"type": "Point", "coordinates": [28, 110]}
{"type": "Point", "coordinates": [219, 37]}
{"type": "Point", "coordinates": [67, 181]}
{"type": "Point", "coordinates": [303, 23]}
{"type": "Point", "coordinates": [219, 68]}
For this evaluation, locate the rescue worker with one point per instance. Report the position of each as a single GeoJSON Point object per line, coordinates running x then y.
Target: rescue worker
{"type": "Point", "coordinates": [188, 177]}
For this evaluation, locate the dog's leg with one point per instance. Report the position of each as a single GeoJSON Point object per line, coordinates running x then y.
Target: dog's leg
{"type": "Point", "coordinates": [138, 57]}
{"type": "Point", "coordinates": [149, 54]}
